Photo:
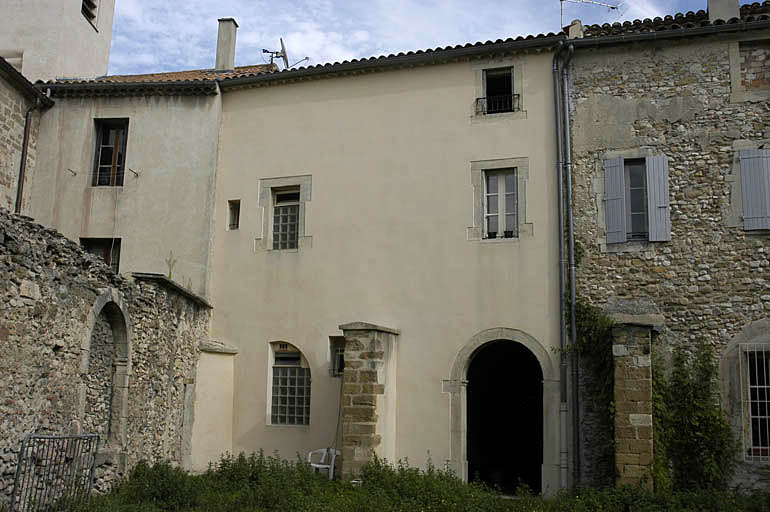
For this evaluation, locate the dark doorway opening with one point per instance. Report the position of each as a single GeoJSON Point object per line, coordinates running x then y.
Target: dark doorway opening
{"type": "Point", "coordinates": [505, 417]}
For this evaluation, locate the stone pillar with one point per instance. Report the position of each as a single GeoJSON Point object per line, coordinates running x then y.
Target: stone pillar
{"type": "Point", "coordinates": [368, 395]}
{"type": "Point", "coordinates": [633, 397]}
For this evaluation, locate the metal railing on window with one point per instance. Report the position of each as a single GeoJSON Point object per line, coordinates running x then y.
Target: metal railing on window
{"type": "Point", "coordinates": [104, 177]}
{"type": "Point", "coordinates": [755, 396]}
{"type": "Point", "coordinates": [54, 472]}
{"type": "Point", "coordinates": [498, 104]}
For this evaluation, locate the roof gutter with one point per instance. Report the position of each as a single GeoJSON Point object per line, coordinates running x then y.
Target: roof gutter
{"type": "Point", "coordinates": [180, 87]}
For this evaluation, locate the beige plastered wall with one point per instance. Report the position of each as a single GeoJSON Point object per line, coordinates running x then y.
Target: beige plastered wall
{"type": "Point", "coordinates": [54, 40]}
{"type": "Point", "coordinates": [387, 242]}
{"type": "Point", "coordinates": [163, 211]}
{"type": "Point", "coordinates": [212, 433]}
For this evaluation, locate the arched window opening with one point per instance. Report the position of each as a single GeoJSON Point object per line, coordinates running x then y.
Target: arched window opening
{"type": "Point", "coordinates": [290, 390]}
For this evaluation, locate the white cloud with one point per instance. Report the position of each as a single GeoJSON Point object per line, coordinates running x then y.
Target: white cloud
{"type": "Point", "coordinates": [158, 36]}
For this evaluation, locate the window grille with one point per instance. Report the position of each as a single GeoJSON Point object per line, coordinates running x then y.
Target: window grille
{"type": "Point", "coordinates": [109, 166]}
{"type": "Point", "coordinates": [755, 394]}
{"type": "Point", "coordinates": [501, 204]}
{"type": "Point", "coordinates": [286, 220]}
{"type": "Point", "coordinates": [291, 394]}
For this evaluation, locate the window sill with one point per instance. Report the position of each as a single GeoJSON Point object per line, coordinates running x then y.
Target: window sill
{"type": "Point", "coordinates": [502, 116]}
{"type": "Point", "coordinates": [306, 428]}
{"type": "Point", "coordinates": [631, 246]}
{"type": "Point", "coordinates": [499, 240]}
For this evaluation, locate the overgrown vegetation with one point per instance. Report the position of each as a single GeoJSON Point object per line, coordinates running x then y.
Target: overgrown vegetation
{"type": "Point", "coordinates": [594, 345]}
{"type": "Point", "coordinates": [695, 446]}
{"type": "Point", "coordinates": [265, 484]}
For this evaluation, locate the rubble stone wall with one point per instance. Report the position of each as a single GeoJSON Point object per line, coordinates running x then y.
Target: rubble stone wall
{"type": "Point", "coordinates": [13, 107]}
{"type": "Point", "coordinates": [755, 64]}
{"type": "Point", "coordinates": [672, 98]}
{"type": "Point", "coordinates": [49, 288]}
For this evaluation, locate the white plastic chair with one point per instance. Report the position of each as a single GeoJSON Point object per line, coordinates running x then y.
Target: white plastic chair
{"type": "Point", "coordinates": [326, 459]}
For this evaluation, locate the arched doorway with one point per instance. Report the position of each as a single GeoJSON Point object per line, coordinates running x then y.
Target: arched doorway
{"type": "Point", "coordinates": [505, 416]}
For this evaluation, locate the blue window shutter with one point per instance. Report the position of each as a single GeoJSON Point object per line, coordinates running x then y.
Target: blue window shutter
{"type": "Point", "coordinates": [755, 188]}
{"type": "Point", "coordinates": [658, 206]}
{"type": "Point", "coordinates": [615, 200]}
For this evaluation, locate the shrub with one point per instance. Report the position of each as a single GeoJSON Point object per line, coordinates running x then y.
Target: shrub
{"type": "Point", "coordinates": [697, 444]}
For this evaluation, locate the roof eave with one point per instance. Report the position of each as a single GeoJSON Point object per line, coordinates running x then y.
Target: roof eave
{"type": "Point", "coordinates": [175, 88]}
{"type": "Point", "coordinates": [394, 62]}
{"type": "Point", "coordinates": [24, 86]}
{"type": "Point", "coordinates": [680, 33]}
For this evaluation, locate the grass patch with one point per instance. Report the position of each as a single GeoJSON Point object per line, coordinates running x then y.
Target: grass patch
{"type": "Point", "coordinates": [260, 483]}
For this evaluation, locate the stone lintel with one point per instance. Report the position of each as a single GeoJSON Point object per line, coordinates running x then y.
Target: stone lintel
{"type": "Point", "coordinates": [217, 347]}
{"type": "Point", "coordinates": [656, 321]}
{"type": "Point", "coordinates": [366, 326]}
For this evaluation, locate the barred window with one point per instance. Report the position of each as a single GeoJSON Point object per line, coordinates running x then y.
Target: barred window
{"type": "Point", "coordinates": [290, 404]}
{"type": "Point", "coordinates": [755, 379]}
{"type": "Point", "coordinates": [286, 219]}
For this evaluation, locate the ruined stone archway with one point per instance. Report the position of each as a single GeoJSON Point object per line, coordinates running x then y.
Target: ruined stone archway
{"type": "Point", "coordinates": [105, 365]}
{"type": "Point", "coordinates": [456, 386]}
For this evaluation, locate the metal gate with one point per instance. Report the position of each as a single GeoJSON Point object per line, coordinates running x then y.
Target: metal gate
{"type": "Point", "coordinates": [54, 472]}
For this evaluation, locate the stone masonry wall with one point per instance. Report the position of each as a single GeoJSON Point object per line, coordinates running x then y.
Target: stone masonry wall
{"type": "Point", "coordinates": [13, 106]}
{"type": "Point", "coordinates": [671, 98]}
{"type": "Point", "coordinates": [755, 64]}
{"type": "Point", "coordinates": [633, 404]}
{"type": "Point", "coordinates": [49, 287]}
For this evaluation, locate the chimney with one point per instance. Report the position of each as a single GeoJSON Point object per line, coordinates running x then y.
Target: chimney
{"type": "Point", "coordinates": [575, 30]}
{"type": "Point", "coordinates": [723, 10]}
{"type": "Point", "coordinates": [226, 44]}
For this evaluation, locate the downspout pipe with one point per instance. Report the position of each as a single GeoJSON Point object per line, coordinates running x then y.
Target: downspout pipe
{"type": "Point", "coordinates": [563, 395]}
{"type": "Point", "coordinates": [572, 269]}
{"type": "Point", "coordinates": [24, 148]}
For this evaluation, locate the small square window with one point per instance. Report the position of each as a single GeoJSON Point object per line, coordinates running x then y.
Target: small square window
{"type": "Point", "coordinates": [501, 204]}
{"type": "Point", "coordinates": [233, 214]}
{"type": "Point", "coordinates": [110, 160]}
{"type": "Point", "coordinates": [286, 218]}
{"type": "Point", "coordinates": [337, 364]}
{"type": "Point", "coordinates": [108, 249]}
{"type": "Point", "coordinates": [499, 95]}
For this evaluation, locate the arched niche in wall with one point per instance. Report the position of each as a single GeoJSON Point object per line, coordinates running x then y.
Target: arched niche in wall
{"type": "Point", "coordinates": [105, 366]}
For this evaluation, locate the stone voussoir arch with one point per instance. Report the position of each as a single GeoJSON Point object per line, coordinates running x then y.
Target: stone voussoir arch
{"type": "Point", "coordinates": [112, 303]}
{"type": "Point", "coordinates": [456, 385]}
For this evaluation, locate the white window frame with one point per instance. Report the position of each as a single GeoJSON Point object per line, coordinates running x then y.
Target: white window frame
{"type": "Point", "coordinates": [478, 171]}
{"type": "Point", "coordinates": [277, 348]}
{"type": "Point", "coordinates": [276, 212]}
{"type": "Point", "coordinates": [502, 213]}
{"type": "Point", "coordinates": [753, 453]}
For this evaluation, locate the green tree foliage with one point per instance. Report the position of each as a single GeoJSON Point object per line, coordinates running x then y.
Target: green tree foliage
{"type": "Point", "coordinates": [696, 444]}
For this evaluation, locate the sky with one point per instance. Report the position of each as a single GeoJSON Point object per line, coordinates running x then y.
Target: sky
{"type": "Point", "coordinates": [170, 35]}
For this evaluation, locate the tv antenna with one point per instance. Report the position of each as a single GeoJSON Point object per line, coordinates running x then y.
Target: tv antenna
{"type": "Point", "coordinates": [283, 55]}
{"type": "Point", "coordinates": [611, 7]}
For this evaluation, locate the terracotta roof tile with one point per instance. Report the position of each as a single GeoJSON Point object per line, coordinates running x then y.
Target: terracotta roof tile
{"type": "Point", "coordinates": [180, 76]}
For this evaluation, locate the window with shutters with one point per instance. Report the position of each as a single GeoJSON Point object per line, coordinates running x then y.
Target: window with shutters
{"type": "Point", "coordinates": [110, 160]}
{"type": "Point", "coordinates": [290, 386]}
{"type": "Point", "coordinates": [755, 188]}
{"type": "Point", "coordinates": [90, 9]}
{"type": "Point", "coordinates": [637, 199]}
